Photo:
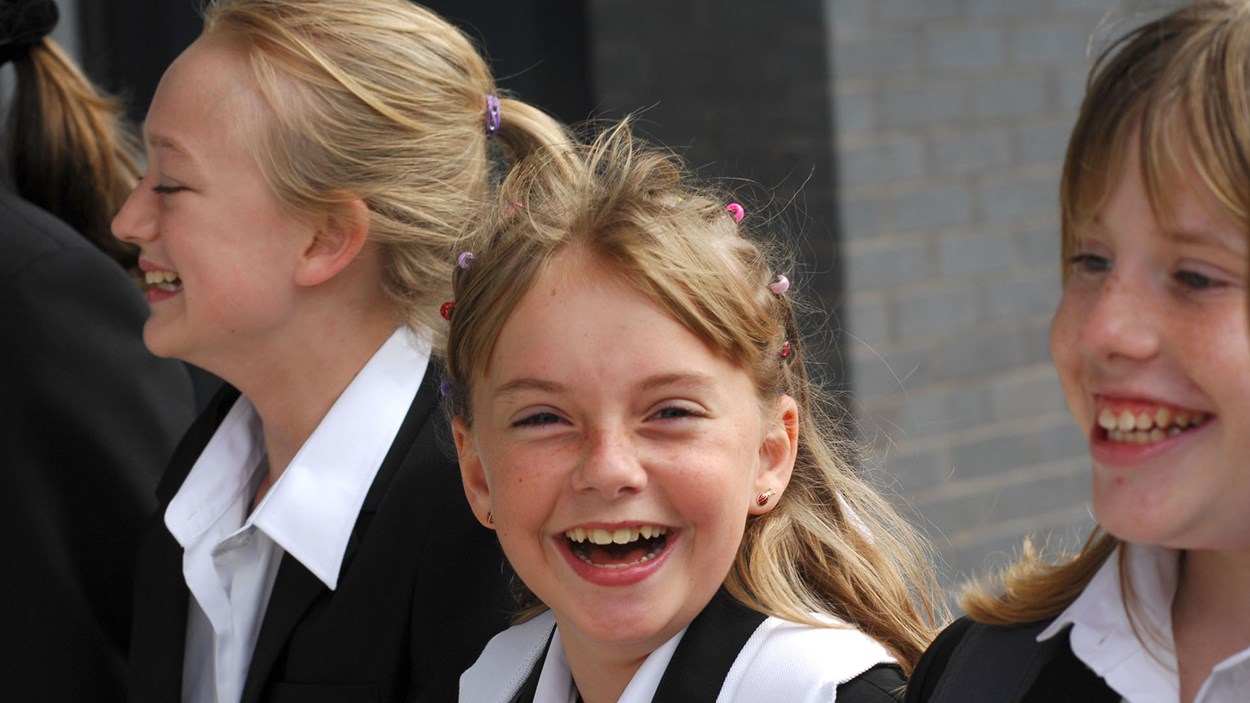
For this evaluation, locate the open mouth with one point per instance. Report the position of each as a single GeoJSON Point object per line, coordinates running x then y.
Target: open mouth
{"type": "Point", "coordinates": [1147, 426]}
{"type": "Point", "coordinates": [619, 548]}
{"type": "Point", "coordinates": [167, 281]}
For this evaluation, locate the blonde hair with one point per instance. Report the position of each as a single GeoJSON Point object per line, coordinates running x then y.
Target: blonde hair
{"type": "Point", "coordinates": [832, 545]}
{"type": "Point", "coordinates": [385, 101]}
{"type": "Point", "coordinates": [1180, 86]}
{"type": "Point", "coordinates": [69, 150]}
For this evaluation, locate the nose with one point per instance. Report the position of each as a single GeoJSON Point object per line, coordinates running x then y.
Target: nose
{"type": "Point", "coordinates": [1121, 320]}
{"type": "Point", "coordinates": [135, 222]}
{"type": "Point", "coordinates": [610, 465]}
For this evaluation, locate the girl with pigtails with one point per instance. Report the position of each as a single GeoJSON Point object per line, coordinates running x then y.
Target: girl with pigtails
{"type": "Point", "coordinates": [634, 420]}
{"type": "Point", "coordinates": [312, 166]}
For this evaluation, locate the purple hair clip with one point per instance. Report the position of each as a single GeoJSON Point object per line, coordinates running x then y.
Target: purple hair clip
{"type": "Point", "coordinates": [447, 389]}
{"type": "Point", "coordinates": [779, 286]}
{"type": "Point", "coordinates": [465, 258]}
{"type": "Point", "coordinates": [735, 211]}
{"type": "Point", "coordinates": [493, 118]}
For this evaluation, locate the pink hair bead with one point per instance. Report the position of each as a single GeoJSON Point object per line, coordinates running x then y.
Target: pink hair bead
{"type": "Point", "coordinates": [735, 210]}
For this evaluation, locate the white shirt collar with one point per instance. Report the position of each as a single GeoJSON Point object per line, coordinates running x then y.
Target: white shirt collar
{"type": "Point", "coordinates": [312, 508]}
{"type": "Point", "coordinates": [1104, 639]}
{"type": "Point", "coordinates": [555, 684]}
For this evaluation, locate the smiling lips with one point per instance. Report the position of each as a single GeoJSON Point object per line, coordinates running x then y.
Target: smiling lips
{"type": "Point", "coordinates": [617, 549]}
{"type": "Point", "coordinates": [1147, 427]}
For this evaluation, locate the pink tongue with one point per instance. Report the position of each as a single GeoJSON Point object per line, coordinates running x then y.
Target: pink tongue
{"type": "Point", "coordinates": [618, 553]}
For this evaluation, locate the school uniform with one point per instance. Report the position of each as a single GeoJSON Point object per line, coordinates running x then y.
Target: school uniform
{"type": "Point", "coordinates": [361, 576]}
{"type": "Point", "coordinates": [1089, 653]}
{"type": "Point", "coordinates": [728, 654]}
{"type": "Point", "coordinates": [88, 420]}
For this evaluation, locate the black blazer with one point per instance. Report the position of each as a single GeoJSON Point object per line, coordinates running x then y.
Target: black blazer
{"type": "Point", "coordinates": [421, 590]}
{"type": "Point", "coordinates": [88, 419]}
{"type": "Point", "coordinates": [966, 656]}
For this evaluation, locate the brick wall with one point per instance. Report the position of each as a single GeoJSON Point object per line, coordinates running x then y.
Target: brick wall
{"type": "Point", "coordinates": [951, 120]}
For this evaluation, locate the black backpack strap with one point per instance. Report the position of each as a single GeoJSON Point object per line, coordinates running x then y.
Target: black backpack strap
{"type": "Point", "coordinates": [707, 651]}
{"type": "Point", "coordinates": [995, 664]}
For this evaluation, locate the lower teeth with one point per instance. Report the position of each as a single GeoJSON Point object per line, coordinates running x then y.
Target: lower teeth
{"type": "Point", "coordinates": [653, 553]}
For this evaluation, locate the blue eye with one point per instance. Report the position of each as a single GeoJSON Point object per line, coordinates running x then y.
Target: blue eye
{"type": "Point", "coordinates": [537, 419]}
{"type": "Point", "coordinates": [1090, 263]}
{"type": "Point", "coordinates": [1195, 281]}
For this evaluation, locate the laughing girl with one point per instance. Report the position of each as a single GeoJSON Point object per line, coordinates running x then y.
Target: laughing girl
{"type": "Point", "coordinates": [1151, 345]}
{"type": "Point", "coordinates": [634, 419]}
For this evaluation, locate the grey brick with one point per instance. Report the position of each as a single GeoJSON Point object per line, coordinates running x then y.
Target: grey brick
{"type": "Point", "coordinates": [980, 353]}
{"type": "Point", "coordinates": [1043, 142]}
{"type": "Point", "coordinates": [1039, 247]}
{"type": "Point", "coordinates": [995, 454]}
{"type": "Point", "coordinates": [1037, 340]}
{"type": "Point", "coordinates": [843, 14]}
{"type": "Point", "coordinates": [1043, 43]}
{"type": "Point", "coordinates": [930, 207]}
{"type": "Point", "coordinates": [1064, 442]}
{"type": "Point", "coordinates": [966, 152]}
{"type": "Point", "coordinates": [980, 253]}
{"type": "Point", "coordinates": [962, 49]}
{"type": "Point", "coordinates": [915, 11]}
{"type": "Point", "coordinates": [1027, 396]}
{"type": "Point", "coordinates": [928, 103]}
{"type": "Point", "coordinates": [914, 472]}
{"type": "Point", "coordinates": [1022, 296]}
{"type": "Point", "coordinates": [881, 372]}
{"type": "Point", "coordinates": [1011, 96]}
{"type": "Point", "coordinates": [930, 311]}
{"type": "Point", "coordinates": [886, 264]}
{"type": "Point", "coordinates": [860, 217]}
{"type": "Point", "coordinates": [1071, 87]}
{"type": "Point", "coordinates": [997, 9]}
{"type": "Point", "coordinates": [1035, 194]}
{"type": "Point", "coordinates": [875, 56]}
{"type": "Point", "coordinates": [868, 319]}
{"type": "Point", "coordinates": [855, 113]}
{"type": "Point", "coordinates": [944, 411]}
{"type": "Point", "coordinates": [882, 162]}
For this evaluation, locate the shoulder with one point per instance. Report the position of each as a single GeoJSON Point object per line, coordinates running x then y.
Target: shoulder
{"type": "Point", "coordinates": [507, 661]}
{"type": "Point", "coordinates": [795, 662]}
{"type": "Point", "coordinates": [29, 233]}
{"type": "Point", "coordinates": [973, 648]}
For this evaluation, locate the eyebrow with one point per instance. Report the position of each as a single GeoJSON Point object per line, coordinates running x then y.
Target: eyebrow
{"type": "Point", "coordinates": [1205, 237]}
{"type": "Point", "coordinates": [649, 384]}
{"type": "Point", "coordinates": [166, 143]}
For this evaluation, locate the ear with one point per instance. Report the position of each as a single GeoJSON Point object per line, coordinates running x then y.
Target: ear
{"type": "Point", "coordinates": [335, 242]}
{"type": "Point", "coordinates": [476, 488]}
{"type": "Point", "coordinates": [779, 448]}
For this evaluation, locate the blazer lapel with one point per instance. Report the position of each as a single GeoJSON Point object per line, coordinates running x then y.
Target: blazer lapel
{"type": "Point", "coordinates": [296, 589]}
{"type": "Point", "coordinates": [707, 651]}
{"type": "Point", "coordinates": [159, 628]}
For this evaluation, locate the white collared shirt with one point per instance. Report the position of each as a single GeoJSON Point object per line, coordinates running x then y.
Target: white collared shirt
{"type": "Point", "coordinates": [781, 661]}
{"type": "Point", "coordinates": [1103, 637]}
{"type": "Point", "coordinates": [231, 558]}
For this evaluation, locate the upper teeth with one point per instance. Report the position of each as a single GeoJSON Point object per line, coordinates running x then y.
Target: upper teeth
{"type": "Point", "coordinates": [621, 535]}
{"type": "Point", "coordinates": [155, 277]}
{"type": "Point", "coordinates": [1128, 421]}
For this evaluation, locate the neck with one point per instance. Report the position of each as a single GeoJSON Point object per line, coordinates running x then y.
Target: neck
{"type": "Point", "coordinates": [295, 386]}
{"type": "Point", "coordinates": [601, 675]}
{"type": "Point", "coordinates": [1210, 613]}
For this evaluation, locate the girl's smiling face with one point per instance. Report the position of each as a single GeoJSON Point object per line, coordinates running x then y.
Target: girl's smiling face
{"type": "Point", "coordinates": [620, 457]}
{"type": "Point", "coordinates": [1150, 342]}
{"type": "Point", "coordinates": [218, 248]}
